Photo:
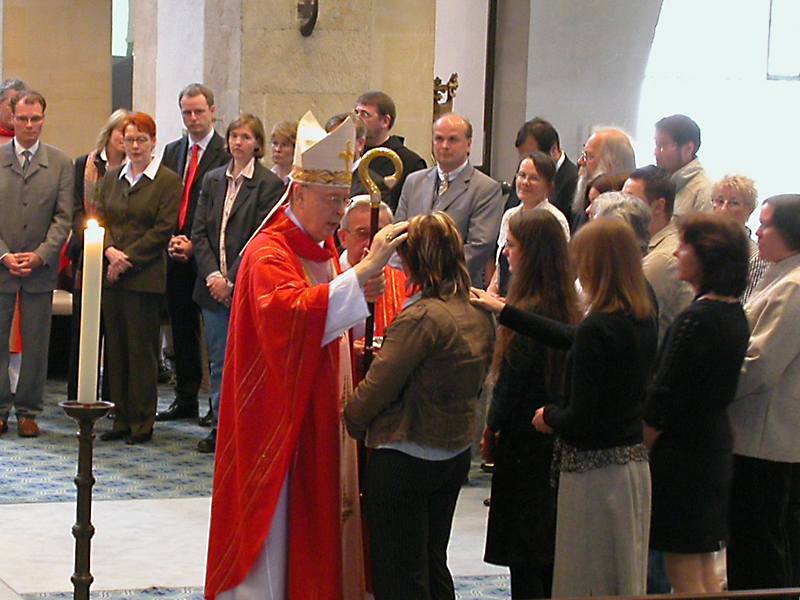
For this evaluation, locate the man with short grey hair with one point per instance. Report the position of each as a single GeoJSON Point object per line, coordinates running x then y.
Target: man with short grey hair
{"type": "Point", "coordinates": [630, 209]}
{"type": "Point", "coordinates": [9, 90]}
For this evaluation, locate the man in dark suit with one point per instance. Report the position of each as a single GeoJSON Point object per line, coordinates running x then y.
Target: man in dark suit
{"type": "Point", "coordinates": [537, 135]}
{"type": "Point", "coordinates": [36, 203]}
{"type": "Point", "coordinates": [191, 157]}
{"type": "Point", "coordinates": [379, 113]}
{"type": "Point", "coordinates": [472, 199]}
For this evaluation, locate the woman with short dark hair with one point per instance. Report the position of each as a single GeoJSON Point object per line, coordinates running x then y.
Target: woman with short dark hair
{"type": "Point", "coordinates": [765, 525]}
{"type": "Point", "coordinates": [687, 427]}
{"type": "Point", "coordinates": [416, 410]}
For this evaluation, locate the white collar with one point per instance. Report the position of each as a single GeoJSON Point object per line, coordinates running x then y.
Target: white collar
{"type": "Point", "coordinates": [204, 142]}
{"type": "Point", "coordinates": [149, 171]}
{"type": "Point", "coordinates": [18, 149]}
{"type": "Point", "coordinates": [451, 176]}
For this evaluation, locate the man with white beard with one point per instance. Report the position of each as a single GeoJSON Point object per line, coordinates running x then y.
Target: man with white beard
{"type": "Point", "coordinates": [607, 151]}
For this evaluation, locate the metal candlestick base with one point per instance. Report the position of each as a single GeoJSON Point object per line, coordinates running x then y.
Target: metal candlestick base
{"type": "Point", "coordinates": [86, 415]}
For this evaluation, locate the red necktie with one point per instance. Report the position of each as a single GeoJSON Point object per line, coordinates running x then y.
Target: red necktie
{"type": "Point", "coordinates": [187, 185]}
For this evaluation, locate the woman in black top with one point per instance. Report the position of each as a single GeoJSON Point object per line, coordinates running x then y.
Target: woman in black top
{"type": "Point", "coordinates": [697, 371]}
{"type": "Point", "coordinates": [527, 375]}
{"type": "Point", "coordinates": [604, 480]}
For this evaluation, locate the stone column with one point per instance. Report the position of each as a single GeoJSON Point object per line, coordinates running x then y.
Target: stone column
{"type": "Point", "coordinates": [256, 60]}
{"type": "Point", "coordinates": [63, 50]}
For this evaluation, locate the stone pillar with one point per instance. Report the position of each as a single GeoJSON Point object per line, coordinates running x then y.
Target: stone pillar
{"type": "Point", "coordinates": [62, 48]}
{"type": "Point", "coordinates": [256, 60]}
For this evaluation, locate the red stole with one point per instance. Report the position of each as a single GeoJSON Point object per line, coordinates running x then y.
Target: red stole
{"type": "Point", "coordinates": [279, 411]}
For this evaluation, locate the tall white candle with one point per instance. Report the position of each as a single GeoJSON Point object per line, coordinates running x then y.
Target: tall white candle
{"type": "Point", "coordinates": [92, 288]}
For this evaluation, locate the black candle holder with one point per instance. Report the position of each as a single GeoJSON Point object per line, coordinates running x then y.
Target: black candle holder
{"type": "Point", "coordinates": [86, 415]}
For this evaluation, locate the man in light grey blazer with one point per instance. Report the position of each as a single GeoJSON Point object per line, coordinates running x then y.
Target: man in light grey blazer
{"type": "Point", "coordinates": [36, 204]}
{"type": "Point", "coordinates": [473, 200]}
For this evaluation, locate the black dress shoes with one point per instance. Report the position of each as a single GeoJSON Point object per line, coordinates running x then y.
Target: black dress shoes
{"type": "Point", "coordinates": [176, 410]}
{"type": "Point", "coordinates": [139, 438]}
{"type": "Point", "coordinates": [208, 444]}
{"type": "Point", "coordinates": [207, 419]}
{"type": "Point", "coordinates": [115, 434]}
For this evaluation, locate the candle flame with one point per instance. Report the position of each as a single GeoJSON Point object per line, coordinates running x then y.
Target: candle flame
{"type": "Point", "coordinates": [91, 223]}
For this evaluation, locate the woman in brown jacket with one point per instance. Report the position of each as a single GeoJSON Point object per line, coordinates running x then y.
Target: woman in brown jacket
{"type": "Point", "coordinates": [138, 206]}
{"type": "Point", "coordinates": [416, 408]}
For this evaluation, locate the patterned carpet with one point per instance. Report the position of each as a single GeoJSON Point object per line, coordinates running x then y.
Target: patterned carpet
{"type": "Point", "coordinates": [43, 469]}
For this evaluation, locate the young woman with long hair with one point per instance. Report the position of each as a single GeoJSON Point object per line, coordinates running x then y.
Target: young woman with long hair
{"type": "Point", "coordinates": [527, 375]}
{"type": "Point", "coordinates": [603, 516]}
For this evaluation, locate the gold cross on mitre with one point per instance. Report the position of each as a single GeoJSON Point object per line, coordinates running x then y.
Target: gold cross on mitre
{"type": "Point", "coordinates": [347, 155]}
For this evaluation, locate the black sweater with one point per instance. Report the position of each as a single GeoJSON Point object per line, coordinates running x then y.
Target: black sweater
{"type": "Point", "coordinates": [610, 360]}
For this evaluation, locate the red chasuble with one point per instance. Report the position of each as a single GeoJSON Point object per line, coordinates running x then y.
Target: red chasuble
{"type": "Point", "coordinates": [388, 304]}
{"type": "Point", "coordinates": [279, 412]}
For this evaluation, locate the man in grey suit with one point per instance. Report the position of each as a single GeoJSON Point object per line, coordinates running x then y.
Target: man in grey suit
{"type": "Point", "coordinates": [36, 203]}
{"type": "Point", "coordinates": [473, 200]}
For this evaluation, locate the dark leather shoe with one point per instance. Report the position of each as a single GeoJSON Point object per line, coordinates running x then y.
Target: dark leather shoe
{"type": "Point", "coordinates": [139, 438]}
{"type": "Point", "coordinates": [178, 411]}
{"type": "Point", "coordinates": [28, 427]}
{"type": "Point", "coordinates": [3, 426]}
{"type": "Point", "coordinates": [115, 434]}
{"type": "Point", "coordinates": [208, 444]}
{"type": "Point", "coordinates": [206, 420]}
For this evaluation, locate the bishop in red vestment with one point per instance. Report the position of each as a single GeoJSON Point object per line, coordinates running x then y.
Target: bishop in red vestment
{"type": "Point", "coordinates": [280, 422]}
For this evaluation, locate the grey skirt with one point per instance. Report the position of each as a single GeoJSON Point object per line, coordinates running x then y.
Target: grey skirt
{"type": "Point", "coordinates": [602, 530]}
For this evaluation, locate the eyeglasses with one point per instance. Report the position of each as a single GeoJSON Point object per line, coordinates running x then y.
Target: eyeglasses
{"type": "Point", "coordinates": [586, 157]}
{"type": "Point", "coordinates": [330, 200]}
{"type": "Point", "coordinates": [141, 140]}
{"type": "Point", "coordinates": [720, 202]}
{"type": "Point", "coordinates": [35, 119]}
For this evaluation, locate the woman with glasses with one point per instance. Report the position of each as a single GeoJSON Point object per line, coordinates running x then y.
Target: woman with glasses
{"type": "Point", "coordinates": [138, 206]}
{"type": "Point", "coordinates": [765, 493]}
{"type": "Point", "coordinates": [534, 184]}
{"type": "Point", "coordinates": [735, 196]}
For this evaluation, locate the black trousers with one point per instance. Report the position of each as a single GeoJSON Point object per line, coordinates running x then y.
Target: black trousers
{"type": "Point", "coordinates": [409, 503]}
{"type": "Point", "coordinates": [184, 316]}
{"type": "Point", "coordinates": [765, 525]}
